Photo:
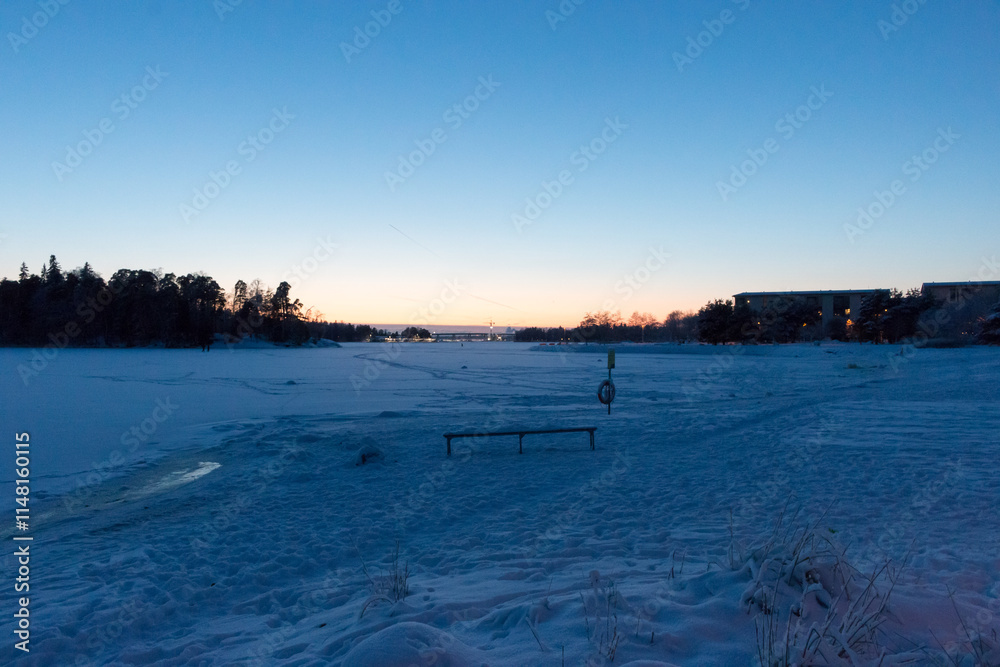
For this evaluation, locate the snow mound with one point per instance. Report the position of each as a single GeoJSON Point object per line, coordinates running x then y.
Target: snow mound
{"type": "Point", "coordinates": [411, 643]}
{"type": "Point", "coordinates": [322, 342]}
{"type": "Point", "coordinates": [369, 452]}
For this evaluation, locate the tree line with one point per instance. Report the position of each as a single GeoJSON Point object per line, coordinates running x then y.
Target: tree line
{"type": "Point", "coordinates": [885, 316]}
{"type": "Point", "coordinates": [136, 307]}
{"type": "Point", "coordinates": [605, 326]}
{"type": "Point", "coordinates": [139, 307]}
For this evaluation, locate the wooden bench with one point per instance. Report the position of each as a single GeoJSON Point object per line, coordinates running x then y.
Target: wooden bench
{"type": "Point", "coordinates": [520, 435]}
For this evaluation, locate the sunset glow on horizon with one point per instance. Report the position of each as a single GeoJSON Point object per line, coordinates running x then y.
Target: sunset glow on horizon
{"type": "Point", "coordinates": [455, 165]}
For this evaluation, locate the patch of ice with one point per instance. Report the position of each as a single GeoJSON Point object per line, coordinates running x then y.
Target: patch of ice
{"type": "Point", "coordinates": [181, 477]}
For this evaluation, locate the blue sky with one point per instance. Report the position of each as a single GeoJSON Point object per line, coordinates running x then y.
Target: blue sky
{"type": "Point", "coordinates": [443, 245]}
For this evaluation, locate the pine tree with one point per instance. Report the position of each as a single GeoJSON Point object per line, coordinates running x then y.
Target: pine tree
{"type": "Point", "coordinates": [714, 321]}
{"type": "Point", "coordinates": [239, 295]}
{"type": "Point", "coordinates": [280, 304]}
{"type": "Point", "coordinates": [54, 274]}
{"type": "Point", "coordinates": [24, 275]}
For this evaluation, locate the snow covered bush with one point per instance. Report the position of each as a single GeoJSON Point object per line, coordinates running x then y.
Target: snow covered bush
{"type": "Point", "coordinates": [390, 586]}
{"type": "Point", "coordinates": [600, 610]}
{"type": "Point", "coordinates": [811, 606]}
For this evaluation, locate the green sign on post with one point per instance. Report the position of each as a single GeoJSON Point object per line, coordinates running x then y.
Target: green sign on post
{"type": "Point", "coordinates": [611, 359]}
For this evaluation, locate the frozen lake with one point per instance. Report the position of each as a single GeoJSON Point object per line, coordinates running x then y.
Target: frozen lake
{"type": "Point", "coordinates": [211, 509]}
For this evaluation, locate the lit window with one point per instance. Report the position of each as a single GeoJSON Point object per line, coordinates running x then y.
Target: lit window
{"type": "Point", "coordinates": [847, 311]}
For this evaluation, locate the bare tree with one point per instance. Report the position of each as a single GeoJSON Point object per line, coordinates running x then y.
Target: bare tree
{"type": "Point", "coordinates": [642, 320]}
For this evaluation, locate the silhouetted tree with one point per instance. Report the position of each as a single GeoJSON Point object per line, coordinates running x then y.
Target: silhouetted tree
{"type": "Point", "coordinates": [542, 335]}
{"type": "Point", "coordinates": [599, 326]}
{"type": "Point", "coordinates": [53, 274]}
{"type": "Point", "coordinates": [900, 321]}
{"type": "Point", "coordinates": [784, 319]}
{"type": "Point", "coordinates": [870, 323]}
{"type": "Point", "coordinates": [415, 332]}
{"type": "Point", "coordinates": [742, 324]}
{"type": "Point", "coordinates": [239, 295]}
{"type": "Point", "coordinates": [680, 327]}
{"type": "Point", "coordinates": [135, 307]}
{"type": "Point", "coordinates": [715, 321]}
{"type": "Point", "coordinates": [836, 328]}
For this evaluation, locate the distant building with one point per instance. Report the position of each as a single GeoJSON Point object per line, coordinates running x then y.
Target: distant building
{"type": "Point", "coordinates": [955, 292]}
{"type": "Point", "coordinates": [845, 303]}
{"type": "Point", "coordinates": [472, 335]}
{"type": "Point", "coordinates": [829, 303]}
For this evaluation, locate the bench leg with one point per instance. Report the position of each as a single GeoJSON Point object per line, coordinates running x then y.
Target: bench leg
{"type": "Point", "coordinates": [520, 443]}
{"type": "Point", "coordinates": [449, 446]}
{"type": "Point", "coordinates": [591, 441]}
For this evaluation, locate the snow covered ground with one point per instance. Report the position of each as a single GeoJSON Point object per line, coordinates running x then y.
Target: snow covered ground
{"type": "Point", "coordinates": [198, 508]}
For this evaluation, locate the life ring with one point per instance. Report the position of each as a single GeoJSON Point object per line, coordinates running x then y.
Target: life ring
{"type": "Point", "coordinates": [606, 392]}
